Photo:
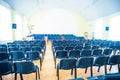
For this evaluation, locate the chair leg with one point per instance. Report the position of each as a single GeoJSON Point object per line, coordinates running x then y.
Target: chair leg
{"type": "Point", "coordinates": [42, 57]}
{"type": "Point", "coordinates": [91, 71]}
{"type": "Point", "coordinates": [58, 73]}
{"type": "Point", "coordinates": [15, 76]}
{"type": "Point", "coordinates": [38, 73]}
{"type": "Point", "coordinates": [40, 64]}
{"type": "Point", "coordinates": [21, 76]}
{"type": "Point", "coordinates": [98, 69]}
{"type": "Point", "coordinates": [71, 71]}
{"type": "Point", "coordinates": [55, 63]}
{"type": "Point", "coordinates": [105, 69]}
{"type": "Point", "coordinates": [119, 68]}
{"type": "Point", "coordinates": [110, 67]}
{"type": "Point", "coordinates": [0, 77]}
{"type": "Point", "coordinates": [86, 70]}
{"type": "Point", "coordinates": [75, 73]}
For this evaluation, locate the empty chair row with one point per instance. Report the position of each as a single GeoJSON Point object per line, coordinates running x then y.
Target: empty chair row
{"type": "Point", "coordinates": [85, 62]}
{"type": "Point", "coordinates": [77, 54]}
{"type": "Point", "coordinates": [20, 56]}
{"type": "Point", "coordinates": [25, 67]}
{"type": "Point", "coordinates": [2, 49]}
{"type": "Point", "coordinates": [24, 49]}
{"type": "Point", "coordinates": [74, 47]}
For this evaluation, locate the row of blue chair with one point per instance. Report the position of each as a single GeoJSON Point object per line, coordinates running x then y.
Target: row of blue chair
{"type": "Point", "coordinates": [24, 67]}
{"type": "Point", "coordinates": [59, 54]}
{"type": "Point", "coordinates": [85, 62]}
{"type": "Point", "coordinates": [20, 56]}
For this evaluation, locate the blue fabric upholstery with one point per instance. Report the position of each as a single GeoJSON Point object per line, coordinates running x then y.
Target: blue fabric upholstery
{"type": "Point", "coordinates": [6, 67]}
{"type": "Point", "coordinates": [25, 67]}
{"type": "Point", "coordinates": [66, 64]}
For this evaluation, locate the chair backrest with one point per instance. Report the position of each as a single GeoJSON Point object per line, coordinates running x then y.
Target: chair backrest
{"type": "Point", "coordinates": [3, 49]}
{"type": "Point", "coordinates": [97, 52]}
{"type": "Point", "coordinates": [87, 47]}
{"type": "Point", "coordinates": [74, 54]}
{"type": "Point", "coordinates": [114, 59]}
{"type": "Point", "coordinates": [59, 48]}
{"type": "Point", "coordinates": [68, 48]}
{"type": "Point", "coordinates": [78, 47]}
{"type": "Point", "coordinates": [100, 60]}
{"type": "Point", "coordinates": [5, 68]}
{"type": "Point", "coordinates": [61, 54]}
{"type": "Point", "coordinates": [107, 51]}
{"type": "Point", "coordinates": [13, 49]}
{"type": "Point", "coordinates": [33, 55]}
{"type": "Point", "coordinates": [37, 48]}
{"type": "Point", "coordinates": [3, 46]}
{"type": "Point", "coordinates": [68, 63]}
{"type": "Point", "coordinates": [17, 55]}
{"type": "Point", "coordinates": [4, 56]}
{"type": "Point", "coordinates": [95, 47]}
{"type": "Point", "coordinates": [25, 49]}
{"type": "Point", "coordinates": [84, 62]}
{"type": "Point", "coordinates": [25, 67]}
{"type": "Point", "coordinates": [85, 52]}
{"type": "Point", "coordinates": [12, 45]}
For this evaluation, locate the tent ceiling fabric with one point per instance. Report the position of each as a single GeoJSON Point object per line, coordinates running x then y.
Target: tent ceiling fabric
{"type": "Point", "coordinates": [89, 9]}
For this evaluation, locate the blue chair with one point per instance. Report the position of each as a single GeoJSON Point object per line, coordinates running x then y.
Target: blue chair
{"type": "Point", "coordinates": [114, 60]}
{"type": "Point", "coordinates": [85, 62]}
{"type": "Point", "coordinates": [68, 48]}
{"type": "Point", "coordinates": [25, 49]}
{"type": "Point", "coordinates": [66, 64]}
{"type": "Point", "coordinates": [34, 55]}
{"type": "Point", "coordinates": [39, 49]}
{"type": "Point", "coordinates": [25, 67]}
{"type": "Point", "coordinates": [107, 52]}
{"type": "Point", "coordinates": [3, 46]}
{"type": "Point", "coordinates": [95, 47]}
{"type": "Point", "coordinates": [78, 47]}
{"type": "Point", "coordinates": [6, 68]}
{"type": "Point", "coordinates": [74, 54]}
{"type": "Point", "coordinates": [97, 52]}
{"type": "Point", "coordinates": [12, 45]}
{"type": "Point", "coordinates": [87, 47]}
{"type": "Point", "coordinates": [17, 55]}
{"type": "Point", "coordinates": [3, 49]}
{"type": "Point", "coordinates": [101, 61]}
{"type": "Point", "coordinates": [59, 55]}
{"type": "Point", "coordinates": [4, 56]}
{"type": "Point", "coordinates": [13, 49]}
{"type": "Point", "coordinates": [56, 48]}
{"type": "Point", "coordinates": [86, 53]}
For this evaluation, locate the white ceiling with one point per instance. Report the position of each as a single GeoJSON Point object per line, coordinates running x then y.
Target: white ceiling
{"type": "Point", "coordinates": [89, 9]}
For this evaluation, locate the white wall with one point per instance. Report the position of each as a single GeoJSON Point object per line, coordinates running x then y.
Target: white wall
{"type": "Point", "coordinates": [5, 24]}
{"type": "Point", "coordinates": [58, 21]}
